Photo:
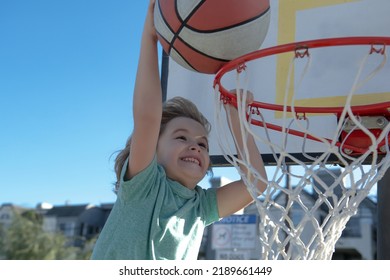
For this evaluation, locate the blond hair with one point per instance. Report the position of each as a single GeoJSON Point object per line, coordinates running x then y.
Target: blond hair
{"type": "Point", "coordinates": [172, 108]}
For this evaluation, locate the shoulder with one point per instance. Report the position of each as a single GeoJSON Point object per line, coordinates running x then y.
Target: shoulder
{"type": "Point", "coordinates": [208, 202]}
{"type": "Point", "coordinates": [209, 192]}
{"type": "Point", "coordinates": [143, 183]}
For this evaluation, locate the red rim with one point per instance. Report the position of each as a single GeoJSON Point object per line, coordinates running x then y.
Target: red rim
{"type": "Point", "coordinates": [378, 44]}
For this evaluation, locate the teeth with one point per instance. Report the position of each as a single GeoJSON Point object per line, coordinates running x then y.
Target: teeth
{"type": "Point", "coordinates": [193, 160]}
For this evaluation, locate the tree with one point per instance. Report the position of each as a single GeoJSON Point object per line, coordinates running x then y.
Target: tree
{"type": "Point", "coordinates": [26, 240]}
{"type": "Point", "coordinates": [2, 242]}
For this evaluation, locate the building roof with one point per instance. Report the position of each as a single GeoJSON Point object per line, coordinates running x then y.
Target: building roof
{"type": "Point", "coordinates": [68, 210]}
{"type": "Point", "coordinates": [16, 208]}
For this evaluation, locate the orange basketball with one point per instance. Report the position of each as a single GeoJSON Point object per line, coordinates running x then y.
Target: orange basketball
{"type": "Point", "coordinates": [203, 35]}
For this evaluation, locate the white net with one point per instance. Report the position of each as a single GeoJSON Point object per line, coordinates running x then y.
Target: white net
{"type": "Point", "coordinates": [292, 226]}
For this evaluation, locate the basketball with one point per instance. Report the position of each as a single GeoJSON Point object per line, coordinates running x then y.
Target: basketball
{"type": "Point", "coordinates": [203, 35]}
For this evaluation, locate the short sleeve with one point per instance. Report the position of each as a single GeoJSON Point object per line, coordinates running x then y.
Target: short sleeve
{"type": "Point", "coordinates": [141, 184]}
{"type": "Point", "coordinates": [210, 206]}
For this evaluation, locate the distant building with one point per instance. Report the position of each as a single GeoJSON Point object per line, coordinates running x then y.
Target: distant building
{"type": "Point", "coordinates": [77, 222]}
{"type": "Point", "coordinates": [7, 212]}
{"type": "Point", "coordinates": [359, 238]}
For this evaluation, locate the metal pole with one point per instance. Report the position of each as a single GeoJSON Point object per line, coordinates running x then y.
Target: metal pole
{"type": "Point", "coordinates": [164, 74]}
{"type": "Point", "coordinates": [383, 234]}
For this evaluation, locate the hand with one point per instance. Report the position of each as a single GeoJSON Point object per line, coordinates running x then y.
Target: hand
{"type": "Point", "coordinates": [149, 27]}
{"type": "Point", "coordinates": [249, 97]}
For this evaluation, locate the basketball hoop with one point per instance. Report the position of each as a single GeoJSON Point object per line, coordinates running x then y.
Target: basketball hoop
{"type": "Point", "coordinates": [361, 137]}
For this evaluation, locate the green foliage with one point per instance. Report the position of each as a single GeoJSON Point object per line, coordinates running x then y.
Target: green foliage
{"type": "Point", "coordinates": [26, 240]}
{"type": "Point", "coordinates": [2, 242]}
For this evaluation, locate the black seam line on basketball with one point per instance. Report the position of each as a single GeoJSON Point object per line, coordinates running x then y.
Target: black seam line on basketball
{"type": "Point", "coordinates": [228, 27]}
{"type": "Point", "coordinates": [202, 53]}
{"type": "Point", "coordinates": [191, 65]}
{"type": "Point", "coordinates": [169, 27]}
{"type": "Point", "coordinates": [183, 21]}
{"type": "Point", "coordinates": [206, 55]}
{"type": "Point", "coordinates": [162, 37]}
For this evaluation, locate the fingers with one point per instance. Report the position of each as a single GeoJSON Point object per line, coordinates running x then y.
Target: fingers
{"type": "Point", "coordinates": [149, 27]}
{"type": "Point", "coordinates": [249, 95]}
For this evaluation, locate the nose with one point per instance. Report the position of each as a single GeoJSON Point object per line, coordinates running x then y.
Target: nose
{"type": "Point", "coordinates": [194, 147]}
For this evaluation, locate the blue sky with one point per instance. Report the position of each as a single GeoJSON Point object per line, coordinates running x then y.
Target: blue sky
{"type": "Point", "coordinates": [66, 78]}
{"type": "Point", "coordinates": [67, 72]}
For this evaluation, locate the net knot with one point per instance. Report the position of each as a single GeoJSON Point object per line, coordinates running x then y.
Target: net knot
{"type": "Point", "coordinates": [380, 50]}
{"type": "Point", "coordinates": [301, 52]}
{"type": "Point", "coordinates": [225, 100]}
{"type": "Point", "coordinates": [241, 67]}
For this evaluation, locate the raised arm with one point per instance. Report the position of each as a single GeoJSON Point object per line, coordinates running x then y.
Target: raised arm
{"type": "Point", "coordinates": [147, 100]}
{"type": "Point", "coordinates": [235, 196]}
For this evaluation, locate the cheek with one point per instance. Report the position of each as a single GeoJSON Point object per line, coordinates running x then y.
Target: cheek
{"type": "Point", "coordinates": [161, 155]}
{"type": "Point", "coordinates": [165, 155]}
{"type": "Point", "coordinates": [207, 161]}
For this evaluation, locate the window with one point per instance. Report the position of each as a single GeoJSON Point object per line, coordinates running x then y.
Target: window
{"type": "Point", "coordinates": [352, 229]}
{"type": "Point", "coordinates": [66, 228]}
{"type": "Point", "coordinates": [4, 216]}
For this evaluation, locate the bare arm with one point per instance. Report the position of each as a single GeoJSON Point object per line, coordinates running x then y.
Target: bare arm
{"type": "Point", "coordinates": [235, 196]}
{"type": "Point", "coordinates": [147, 100]}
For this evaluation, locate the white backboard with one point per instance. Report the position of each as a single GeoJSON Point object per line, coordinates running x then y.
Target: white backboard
{"type": "Point", "coordinates": [328, 80]}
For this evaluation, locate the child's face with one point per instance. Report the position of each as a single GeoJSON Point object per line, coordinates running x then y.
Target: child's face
{"type": "Point", "coordinates": [183, 151]}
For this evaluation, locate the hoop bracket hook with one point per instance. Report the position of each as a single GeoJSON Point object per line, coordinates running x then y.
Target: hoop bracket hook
{"type": "Point", "coordinates": [301, 51]}
{"type": "Point", "coordinates": [380, 50]}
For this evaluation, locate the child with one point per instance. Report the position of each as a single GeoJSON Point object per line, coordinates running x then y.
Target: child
{"type": "Point", "coordinates": [160, 212]}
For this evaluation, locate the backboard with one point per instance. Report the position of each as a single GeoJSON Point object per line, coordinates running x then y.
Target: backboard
{"type": "Point", "coordinates": [328, 80]}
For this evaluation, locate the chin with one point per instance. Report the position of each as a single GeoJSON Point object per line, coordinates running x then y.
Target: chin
{"type": "Point", "coordinates": [190, 184]}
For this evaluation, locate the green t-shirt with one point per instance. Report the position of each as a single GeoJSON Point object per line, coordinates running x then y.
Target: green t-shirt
{"type": "Point", "coordinates": [156, 218]}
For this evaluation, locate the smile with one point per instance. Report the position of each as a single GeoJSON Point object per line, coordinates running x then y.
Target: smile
{"type": "Point", "coordinates": [191, 159]}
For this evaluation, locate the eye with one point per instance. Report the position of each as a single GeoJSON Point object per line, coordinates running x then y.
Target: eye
{"type": "Point", "coordinates": [203, 145]}
{"type": "Point", "coordinates": [183, 138]}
